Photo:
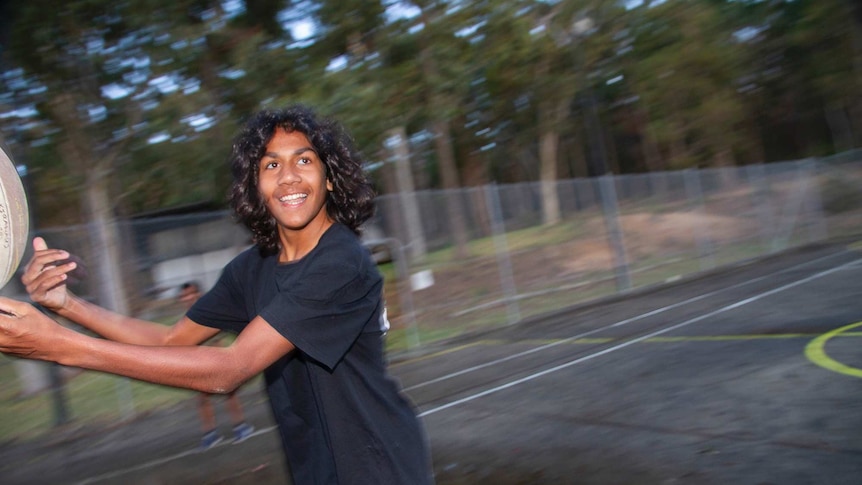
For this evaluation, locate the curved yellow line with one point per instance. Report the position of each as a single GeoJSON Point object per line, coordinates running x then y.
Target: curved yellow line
{"type": "Point", "coordinates": [816, 353]}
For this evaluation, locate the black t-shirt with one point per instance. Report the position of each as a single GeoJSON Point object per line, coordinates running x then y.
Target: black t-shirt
{"type": "Point", "coordinates": [342, 419]}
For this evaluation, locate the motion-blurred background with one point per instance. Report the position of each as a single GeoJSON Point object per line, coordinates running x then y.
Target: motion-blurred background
{"type": "Point", "coordinates": [528, 155]}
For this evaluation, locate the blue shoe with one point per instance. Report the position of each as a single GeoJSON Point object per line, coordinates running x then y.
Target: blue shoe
{"type": "Point", "coordinates": [210, 439]}
{"type": "Point", "coordinates": [242, 432]}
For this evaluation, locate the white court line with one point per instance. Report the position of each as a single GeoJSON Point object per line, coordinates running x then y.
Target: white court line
{"type": "Point", "coordinates": [616, 324]}
{"type": "Point", "coordinates": [636, 340]}
{"type": "Point", "coordinates": [177, 456]}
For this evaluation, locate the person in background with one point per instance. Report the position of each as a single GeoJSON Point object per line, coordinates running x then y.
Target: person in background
{"type": "Point", "coordinates": [189, 293]}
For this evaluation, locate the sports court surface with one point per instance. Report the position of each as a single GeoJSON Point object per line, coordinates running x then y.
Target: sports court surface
{"type": "Point", "coordinates": [747, 375]}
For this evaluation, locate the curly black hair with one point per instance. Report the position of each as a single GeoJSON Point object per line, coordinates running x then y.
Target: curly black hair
{"type": "Point", "coordinates": [351, 201]}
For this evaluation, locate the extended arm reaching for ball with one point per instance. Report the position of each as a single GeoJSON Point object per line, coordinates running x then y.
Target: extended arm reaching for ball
{"type": "Point", "coordinates": [27, 332]}
{"type": "Point", "coordinates": [135, 348]}
{"type": "Point", "coordinates": [45, 280]}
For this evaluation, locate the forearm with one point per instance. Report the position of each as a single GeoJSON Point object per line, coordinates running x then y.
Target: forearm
{"type": "Point", "coordinates": [112, 325]}
{"type": "Point", "coordinates": [200, 368]}
{"type": "Point", "coordinates": [27, 332]}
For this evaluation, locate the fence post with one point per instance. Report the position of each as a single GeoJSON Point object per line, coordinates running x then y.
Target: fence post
{"type": "Point", "coordinates": [615, 233]}
{"type": "Point", "coordinates": [406, 194]}
{"type": "Point", "coordinates": [794, 208]}
{"type": "Point", "coordinates": [103, 237]}
{"type": "Point", "coordinates": [818, 230]}
{"type": "Point", "coordinates": [405, 291]}
{"type": "Point", "coordinates": [504, 264]}
{"type": "Point", "coordinates": [694, 192]}
{"type": "Point", "coordinates": [762, 201]}
{"type": "Point", "coordinates": [59, 395]}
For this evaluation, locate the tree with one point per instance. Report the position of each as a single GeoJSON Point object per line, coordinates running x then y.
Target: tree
{"type": "Point", "coordinates": [527, 70]}
{"type": "Point", "coordinates": [686, 74]}
{"type": "Point", "coordinates": [818, 72]}
{"type": "Point", "coordinates": [110, 80]}
{"type": "Point", "coordinates": [399, 78]}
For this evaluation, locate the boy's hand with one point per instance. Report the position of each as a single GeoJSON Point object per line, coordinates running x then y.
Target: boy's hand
{"type": "Point", "coordinates": [24, 330]}
{"type": "Point", "coordinates": [46, 274]}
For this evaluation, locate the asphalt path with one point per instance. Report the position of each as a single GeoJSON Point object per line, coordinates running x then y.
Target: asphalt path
{"type": "Point", "coordinates": [747, 375]}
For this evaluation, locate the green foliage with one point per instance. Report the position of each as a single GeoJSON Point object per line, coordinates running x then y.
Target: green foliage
{"type": "Point", "coordinates": [705, 82]}
{"type": "Point", "coordinates": [91, 398]}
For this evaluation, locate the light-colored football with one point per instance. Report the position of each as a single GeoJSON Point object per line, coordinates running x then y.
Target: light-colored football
{"type": "Point", "coordinates": [14, 219]}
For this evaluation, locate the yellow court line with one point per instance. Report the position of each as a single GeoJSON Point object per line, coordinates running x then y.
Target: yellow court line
{"type": "Point", "coordinates": [420, 358]}
{"type": "Point", "coordinates": [434, 354]}
{"type": "Point", "coordinates": [686, 338]}
{"type": "Point", "coordinates": [771, 336]}
{"type": "Point", "coordinates": [839, 333]}
{"type": "Point", "coordinates": [816, 352]}
{"type": "Point", "coordinates": [594, 340]}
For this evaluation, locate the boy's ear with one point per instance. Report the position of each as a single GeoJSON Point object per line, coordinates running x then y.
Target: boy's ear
{"type": "Point", "coordinates": [329, 185]}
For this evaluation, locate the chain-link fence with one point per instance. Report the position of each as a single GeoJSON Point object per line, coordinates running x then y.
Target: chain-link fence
{"type": "Point", "coordinates": [503, 261]}
{"type": "Point", "coordinates": [462, 260]}
{"type": "Point", "coordinates": [614, 234]}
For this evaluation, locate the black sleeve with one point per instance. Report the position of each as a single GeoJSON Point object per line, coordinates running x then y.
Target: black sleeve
{"type": "Point", "coordinates": [223, 307]}
{"type": "Point", "coordinates": [325, 314]}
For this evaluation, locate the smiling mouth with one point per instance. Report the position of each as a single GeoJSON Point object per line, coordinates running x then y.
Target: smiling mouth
{"type": "Point", "coordinates": [293, 198]}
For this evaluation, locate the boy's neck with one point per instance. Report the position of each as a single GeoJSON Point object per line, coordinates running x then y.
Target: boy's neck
{"type": "Point", "coordinates": [296, 244]}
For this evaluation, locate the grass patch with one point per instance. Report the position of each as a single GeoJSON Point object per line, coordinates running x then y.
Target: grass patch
{"type": "Point", "coordinates": [398, 339]}
{"type": "Point", "coordinates": [522, 239]}
{"type": "Point", "coordinates": [90, 397]}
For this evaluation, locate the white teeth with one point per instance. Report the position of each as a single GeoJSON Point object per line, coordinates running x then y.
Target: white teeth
{"type": "Point", "coordinates": [288, 198]}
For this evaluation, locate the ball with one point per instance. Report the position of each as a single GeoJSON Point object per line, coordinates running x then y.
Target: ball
{"type": "Point", "coordinates": [14, 219]}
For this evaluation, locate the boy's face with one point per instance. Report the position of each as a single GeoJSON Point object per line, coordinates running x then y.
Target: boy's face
{"type": "Point", "coordinates": [292, 181]}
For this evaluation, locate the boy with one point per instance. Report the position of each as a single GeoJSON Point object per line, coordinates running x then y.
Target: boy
{"type": "Point", "coordinates": [306, 302]}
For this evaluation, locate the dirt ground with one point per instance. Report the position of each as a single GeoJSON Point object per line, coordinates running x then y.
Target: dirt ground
{"type": "Point", "coordinates": [646, 236]}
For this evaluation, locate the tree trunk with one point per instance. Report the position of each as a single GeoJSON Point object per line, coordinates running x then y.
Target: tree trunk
{"type": "Point", "coordinates": [387, 204]}
{"type": "Point", "coordinates": [449, 176]}
{"type": "Point", "coordinates": [723, 159]}
{"type": "Point", "coordinates": [78, 156]}
{"type": "Point", "coordinates": [106, 242]}
{"type": "Point", "coordinates": [652, 156]}
{"type": "Point", "coordinates": [443, 148]}
{"type": "Point", "coordinates": [415, 239]}
{"type": "Point", "coordinates": [839, 127]}
{"type": "Point", "coordinates": [855, 102]}
{"type": "Point", "coordinates": [578, 162]}
{"type": "Point", "coordinates": [678, 149]}
{"type": "Point", "coordinates": [548, 143]}
{"type": "Point", "coordinates": [551, 116]}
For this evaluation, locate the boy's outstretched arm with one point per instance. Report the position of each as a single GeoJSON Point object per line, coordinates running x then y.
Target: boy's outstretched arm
{"type": "Point", "coordinates": [26, 332]}
{"type": "Point", "coordinates": [45, 278]}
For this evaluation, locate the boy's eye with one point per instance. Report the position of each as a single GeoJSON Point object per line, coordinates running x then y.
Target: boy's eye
{"type": "Point", "coordinates": [269, 165]}
{"type": "Point", "coordinates": [304, 161]}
